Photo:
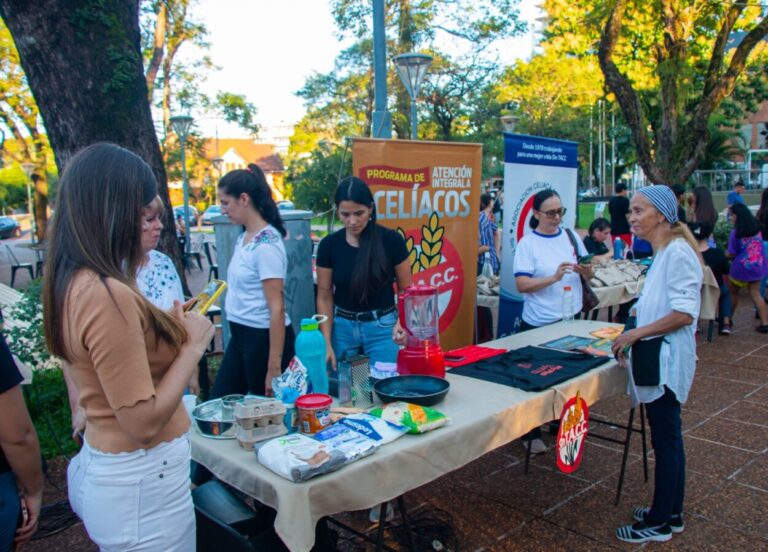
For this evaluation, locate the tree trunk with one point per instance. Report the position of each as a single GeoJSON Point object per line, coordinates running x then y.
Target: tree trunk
{"type": "Point", "coordinates": [158, 49]}
{"type": "Point", "coordinates": [83, 62]}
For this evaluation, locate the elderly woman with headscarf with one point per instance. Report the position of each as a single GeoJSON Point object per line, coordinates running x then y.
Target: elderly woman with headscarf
{"type": "Point", "coordinates": [662, 354]}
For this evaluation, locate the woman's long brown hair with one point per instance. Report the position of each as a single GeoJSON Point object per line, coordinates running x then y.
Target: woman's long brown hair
{"type": "Point", "coordinates": [97, 227]}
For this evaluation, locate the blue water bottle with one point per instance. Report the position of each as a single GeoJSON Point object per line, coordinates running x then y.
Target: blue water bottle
{"type": "Point", "coordinates": [310, 348]}
{"type": "Point", "coordinates": [618, 249]}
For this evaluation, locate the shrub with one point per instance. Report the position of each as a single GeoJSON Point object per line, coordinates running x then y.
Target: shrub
{"type": "Point", "coordinates": [722, 232]}
{"type": "Point", "coordinates": [46, 398]}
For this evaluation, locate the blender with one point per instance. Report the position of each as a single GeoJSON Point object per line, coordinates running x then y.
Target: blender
{"type": "Point", "coordinates": [419, 318]}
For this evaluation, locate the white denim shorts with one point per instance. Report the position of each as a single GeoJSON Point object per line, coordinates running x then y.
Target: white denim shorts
{"type": "Point", "coordinates": [136, 501]}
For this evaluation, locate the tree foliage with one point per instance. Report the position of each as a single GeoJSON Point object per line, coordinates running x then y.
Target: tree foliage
{"type": "Point", "coordinates": [314, 177]}
{"type": "Point", "coordinates": [453, 103]}
{"type": "Point", "coordinates": [692, 69]}
{"type": "Point", "coordinates": [28, 142]}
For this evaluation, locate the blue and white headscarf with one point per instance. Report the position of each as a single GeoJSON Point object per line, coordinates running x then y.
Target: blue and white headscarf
{"type": "Point", "coordinates": [663, 198]}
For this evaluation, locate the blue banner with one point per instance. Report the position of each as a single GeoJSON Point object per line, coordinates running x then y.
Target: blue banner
{"type": "Point", "coordinates": [536, 150]}
{"type": "Point", "coordinates": [531, 164]}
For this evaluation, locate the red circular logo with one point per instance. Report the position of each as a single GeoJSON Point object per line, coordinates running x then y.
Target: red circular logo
{"type": "Point", "coordinates": [574, 424]}
{"type": "Point", "coordinates": [525, 215]}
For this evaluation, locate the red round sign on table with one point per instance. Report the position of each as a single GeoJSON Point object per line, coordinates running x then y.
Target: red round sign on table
{"type": "Point", "coordinates": [574, 424]}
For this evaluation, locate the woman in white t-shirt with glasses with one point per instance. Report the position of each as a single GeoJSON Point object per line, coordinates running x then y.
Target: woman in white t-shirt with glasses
{"type": "Point", "coordinates": [261, 342]}
{"type": "Point", "coordinates": [545, 263]}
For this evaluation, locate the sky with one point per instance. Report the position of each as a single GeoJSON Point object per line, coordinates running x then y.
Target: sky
{"type": "Point", "coordinates": [267, 48]}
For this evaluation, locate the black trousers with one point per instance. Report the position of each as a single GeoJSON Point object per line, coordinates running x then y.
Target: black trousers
{"type": "Point", "coordinates": [244, 366]}
{"type": "Point", "coordinates": [667, 441]}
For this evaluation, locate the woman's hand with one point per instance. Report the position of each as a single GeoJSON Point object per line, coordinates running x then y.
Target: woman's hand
{"type": "Point", "coordinates": [622, 344]}
{"type": "Point", "coordinates": [199, 329]}
{"type": "Point", "coordinates": [24, 533]}
{"type": "Point", "coordinates": [584, 270]}
{"type": "Point", "coordinates": [194, 382]}
{"type": "Point", "coordinates": [78, 425]}
{"type": "Point", "coordinates": [330, 356]}
{"type": "Point", "coordinates": [398, 334]}
{"type": "Point", "coordinates": [273, 371]}
{"type": "Point", "coordinates": [562, 270]}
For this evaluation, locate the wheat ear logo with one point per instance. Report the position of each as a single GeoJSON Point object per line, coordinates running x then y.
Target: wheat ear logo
{"type": "Point", "coordinates": [429, 253]}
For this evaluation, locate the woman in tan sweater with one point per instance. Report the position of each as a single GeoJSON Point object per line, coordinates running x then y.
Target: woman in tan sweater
{"type": "Point", "coordinates": [128, 360]}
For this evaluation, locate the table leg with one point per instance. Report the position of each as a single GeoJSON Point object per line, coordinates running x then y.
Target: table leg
{"type": "Point", "coordinates": [382, 524]}
{"type": "Point", "coordinates": [645, 445]}
{"type": "Point", "coordinates": [406, 523]}
{"type": "Point", "coordinates": [527, 457]}
{"type": "Point", "coordinates": [624, 456]}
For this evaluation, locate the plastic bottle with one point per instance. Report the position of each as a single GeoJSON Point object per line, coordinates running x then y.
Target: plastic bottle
{"type": "Point", "coordinates": [618, 249]}
{"type": "Point", "coordinates": [310, 348]}
{"type": "Point", "coordinates": [567, 304]}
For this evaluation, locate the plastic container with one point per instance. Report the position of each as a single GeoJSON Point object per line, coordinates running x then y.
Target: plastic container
{"type": "Point", "coordinates": [291, 417]}
{"type": "Point", "coordinates": [618, 249]}
{"type": "Point", "coordinates": [314, 412]}
{"type": "Point", "coordinates": [567, 304]}
{"type": "Point", "coordinates": [344, 369]}
{"type": "Point", "coordinates": [310, 348]}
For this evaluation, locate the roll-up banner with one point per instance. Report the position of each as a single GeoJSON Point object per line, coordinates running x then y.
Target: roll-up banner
{"type": "Point", "coordinates": [531, 164]}
{"type": "Point", "coordinates": [430, 192]}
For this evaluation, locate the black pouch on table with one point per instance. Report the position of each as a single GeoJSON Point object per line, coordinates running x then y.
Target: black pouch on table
{"type": "Point", "coordinates": [531, 368]}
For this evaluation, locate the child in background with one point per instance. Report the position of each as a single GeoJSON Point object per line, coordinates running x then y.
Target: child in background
{"type": "Point", "coordinates": [715, 259]}
{"type": "Point", "coordinates": [749, 265]}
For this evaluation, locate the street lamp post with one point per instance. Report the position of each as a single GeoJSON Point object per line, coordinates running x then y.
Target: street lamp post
{"type": "Point", "coordinates": [509, 122]}
{"type": "Point", "coordinates": [28, 169]}
{"type": "Point", "coordinates": [181, 125]}
{"type": "Point", "coordinates": [217, 163]}
{"type": "Point", "coordinates": [412, 68]}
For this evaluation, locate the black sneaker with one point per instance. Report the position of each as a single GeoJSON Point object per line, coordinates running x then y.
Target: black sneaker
{"type": "Point", "coordinates": [676, 523]}
{"type": "Point", "coordinates": [762, 328]}
{"type": "Point", "coordinates": [642, 532]}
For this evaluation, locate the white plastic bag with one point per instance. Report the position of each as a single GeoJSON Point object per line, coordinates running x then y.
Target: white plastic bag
{"type": "Point", "coordinates": [297, 457]}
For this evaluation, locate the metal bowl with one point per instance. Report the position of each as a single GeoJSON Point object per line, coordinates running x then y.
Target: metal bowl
{"type": "Point", "coordinates": [211, 422]}
{"type": "Point", "coordinates": [421, 390]}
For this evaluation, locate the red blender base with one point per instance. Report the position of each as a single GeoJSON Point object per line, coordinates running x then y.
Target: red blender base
{"type": "Point", "coordinates": [424, 361]}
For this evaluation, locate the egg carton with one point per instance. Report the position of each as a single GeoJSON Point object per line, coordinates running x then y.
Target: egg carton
{"type": "Point", "coordinates": [247, 438]}
{"type": "Point", "coordinates": [259, 412]}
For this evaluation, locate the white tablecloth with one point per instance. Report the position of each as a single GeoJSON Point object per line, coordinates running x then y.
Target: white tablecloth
{"type": "Point", "coordinates": [483, 415]}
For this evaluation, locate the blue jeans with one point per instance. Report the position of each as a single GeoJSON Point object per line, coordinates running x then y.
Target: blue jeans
{"type": "Point", "coordinates": [373, 339]}
{"type": "Point", "coordinates": [725, 307]}
{"type": "Point", "coordinates": [667, 441]}
{"type": "Point", "coordinates": [10, 506]}
{"type": "Point", "coordinates": [764, 282]}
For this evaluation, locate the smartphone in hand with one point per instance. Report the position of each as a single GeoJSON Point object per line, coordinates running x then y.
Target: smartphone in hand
{"type": "Point", "coordinates": [586, 259]}
{"type": "Point", "coordinates": [205, 299]}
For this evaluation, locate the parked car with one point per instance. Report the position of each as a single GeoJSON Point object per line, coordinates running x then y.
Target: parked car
{"type": "Point", "coordinates": [9, 228]}
{"type": "Point", "coordinates": [192, 212]}
{"type": "Point", "coordinates": [285, 205]}
{"type": "Point", "coordinates": [588, 192]}
{"type": "Point", "coordinates": [211, 213]}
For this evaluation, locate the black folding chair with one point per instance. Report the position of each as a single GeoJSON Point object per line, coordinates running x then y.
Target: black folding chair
{"type": "Point", "coordinates": [210, 254]}
{"type": "Point", "coordinates": [16, 266]}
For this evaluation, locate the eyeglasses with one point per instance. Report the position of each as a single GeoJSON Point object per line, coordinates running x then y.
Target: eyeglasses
{"type": "Point", "coordinates": [554, 212]}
